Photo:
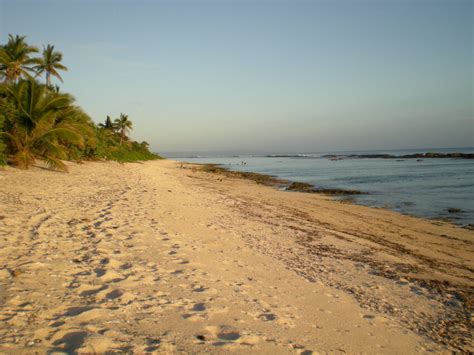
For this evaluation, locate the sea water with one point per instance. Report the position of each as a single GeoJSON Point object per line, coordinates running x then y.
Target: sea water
{"type": "Point", "coordinates": [428, 188]}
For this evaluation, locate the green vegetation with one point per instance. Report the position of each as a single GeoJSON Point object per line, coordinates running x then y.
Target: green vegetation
{"type": "Point", "coordinates": [50, 63]}
{"type": "Point", "coordinates": [15, 59]}
{"type": "Point", "coordinates": [112, 142]}
{"type": "Point", "coordinates": [41, 124]}
{"type": "Point", "coordinates": [38, 121]}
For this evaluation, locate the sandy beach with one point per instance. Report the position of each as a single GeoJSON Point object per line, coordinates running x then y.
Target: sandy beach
{"type": "Point", "coordinates": [151, 257]}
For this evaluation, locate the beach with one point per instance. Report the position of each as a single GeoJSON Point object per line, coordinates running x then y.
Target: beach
{"type": "Point", "coordinates": [160, 257]}
{"type": "Point", "coordinates": [440, 188]}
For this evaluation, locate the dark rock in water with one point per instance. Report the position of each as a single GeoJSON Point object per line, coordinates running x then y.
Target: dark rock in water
{"type": "Point", "coordinates": [300, 186]}
{"type": "Point", "coordinates": [339, 192]}
{"type": "Point", "coordinates": [276, 182]}
{"type": "Point", "coordinates": [304, 187]}
{"type": "Point", "coordinates": [454, 210]}
{"type": "Point", "coordinates": [469, 226]}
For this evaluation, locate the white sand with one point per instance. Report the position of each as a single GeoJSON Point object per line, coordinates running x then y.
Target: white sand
{"type": "Point", "coordinates": [149, 257]}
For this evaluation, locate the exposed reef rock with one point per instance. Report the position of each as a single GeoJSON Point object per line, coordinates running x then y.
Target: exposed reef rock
{"type": "Point", "coordinates": [407, 156]}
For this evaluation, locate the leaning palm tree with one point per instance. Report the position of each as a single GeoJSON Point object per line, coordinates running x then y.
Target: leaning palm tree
{"type": "Point", "coordinates": [123, 126]}
{"type": "Point", "coordinates": [50, 63]}
{"type": "Point", "coordinates": [15, 59]}
{"type": "Point", "coordinates": [39, 124]}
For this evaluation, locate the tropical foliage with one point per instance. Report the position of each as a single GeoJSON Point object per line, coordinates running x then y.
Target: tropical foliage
{"type": "Point", "coordinates": [41, 124]}
{"type": "Point", "coordinates": [38, 121]}
{"type": "Point", "coordinates": [108, 124]}
{"type": "Point", "coordinates": [50, 63]}
{"type": "Point", "coordinates": [16, 60]}
{"type": "Point", "coordinates": [123, 126]}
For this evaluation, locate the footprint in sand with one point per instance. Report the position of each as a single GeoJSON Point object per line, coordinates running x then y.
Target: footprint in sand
{"type": "Point", "coordinates": [200, 339]}
{"type": "Point", "coordinates": [90, 290]}
{"type": "Point", "coordinates": [56, 324]}
{"type": "Point", "coordinates": [74, 311]}
{"type": "Point", "coordinates": [220, 336]}
{"type": "Point", "coordinates": [152, 345]}
{"type": "Point", "coordinates": [99, 272]}
{"type": "Point", "coordinates": [114, 294]}
{"type": "Point", "coordinates": [199, 307]}
{"type": "Point", "coordinates": [112, 277]}
{"type": "Point", "coordinates": [200, 289]}
{"type": "Point", "coordinates": [69, 341]}
{"type": "Point", "coordinates": [228, 335]}
{"type": "Point", "coordinates": [117, 296]}
{"type": "Point", "coordinates": [125, 266]}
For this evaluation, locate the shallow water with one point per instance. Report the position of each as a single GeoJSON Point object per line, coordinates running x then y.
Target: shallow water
{"type": "Point", "coordinates": [426, 188]}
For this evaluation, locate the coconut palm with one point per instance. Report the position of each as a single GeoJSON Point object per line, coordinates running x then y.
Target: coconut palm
{"type": "Point", "coordinates": [123, 126]}
{"type": "Point", "coordinates": [50, 63]}
{"type": "Point", "coordinates": [40, 124]}
{"type": "Point", "coordinates": [15, 59]}
{"type": "Point", "coordinates": [108, 124]}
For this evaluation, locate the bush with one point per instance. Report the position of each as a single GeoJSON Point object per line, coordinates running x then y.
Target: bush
{"type": "Point", "coordinates": [132, 151]}
{"type": "Point", "coordinates": [107, 145]}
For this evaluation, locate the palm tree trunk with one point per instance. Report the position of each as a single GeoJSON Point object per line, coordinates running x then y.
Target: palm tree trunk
{"type": "Point", "coordinates": [48, 79]}
{"type": "Point", "coordinates": [8, 76]}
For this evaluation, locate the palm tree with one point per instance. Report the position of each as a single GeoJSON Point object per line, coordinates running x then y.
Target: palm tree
{"type": "Point", "coordinates": [123, 126]}
{"type": "Point", "coordinates": [50, 63]}
{"type": "Point", "coordinates": [15, 60]}
{"type": "Point", "coordinates": [108, 124]}
{"type": "Point", "coordinates": [40, 124]}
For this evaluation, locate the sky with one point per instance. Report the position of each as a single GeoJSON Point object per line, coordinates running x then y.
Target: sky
{"type": "Point", "coordinates": [265, 75]}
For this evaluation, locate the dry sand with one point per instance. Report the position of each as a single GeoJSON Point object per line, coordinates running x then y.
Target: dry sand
{"type": "Point", "coordinates": [150, 257]}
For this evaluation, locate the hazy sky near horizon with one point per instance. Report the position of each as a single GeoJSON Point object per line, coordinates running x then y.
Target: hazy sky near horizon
{"type": "Point", "coordinates": [266, 76]}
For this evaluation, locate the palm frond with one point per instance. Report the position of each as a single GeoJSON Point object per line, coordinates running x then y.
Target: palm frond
{"type": "Point", "coordinates": [54, 163]}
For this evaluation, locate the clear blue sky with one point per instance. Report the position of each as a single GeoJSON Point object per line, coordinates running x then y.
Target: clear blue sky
{"type": "Point", "coordinates": [255, 75]}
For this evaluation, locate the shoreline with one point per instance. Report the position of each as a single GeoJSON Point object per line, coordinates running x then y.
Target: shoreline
{"type": "Point", "coordinates": [151, 257]}
{"type": "Point", "coordinates": [423, 155]}
{"type": "Point", "coordinates": [341, 195]}
{"type": "Point", "coordinates": [270, 180]}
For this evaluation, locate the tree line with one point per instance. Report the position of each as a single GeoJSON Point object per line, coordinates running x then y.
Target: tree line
{"type": "Point", "coordinates": [40, 122]}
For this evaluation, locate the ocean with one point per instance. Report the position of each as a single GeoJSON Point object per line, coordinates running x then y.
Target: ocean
{"type": "Point", "coordinates": [430, 188]}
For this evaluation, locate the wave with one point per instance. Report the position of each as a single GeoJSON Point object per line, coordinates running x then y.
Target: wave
{"type": "Point", "coordinates": [302, 155]}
